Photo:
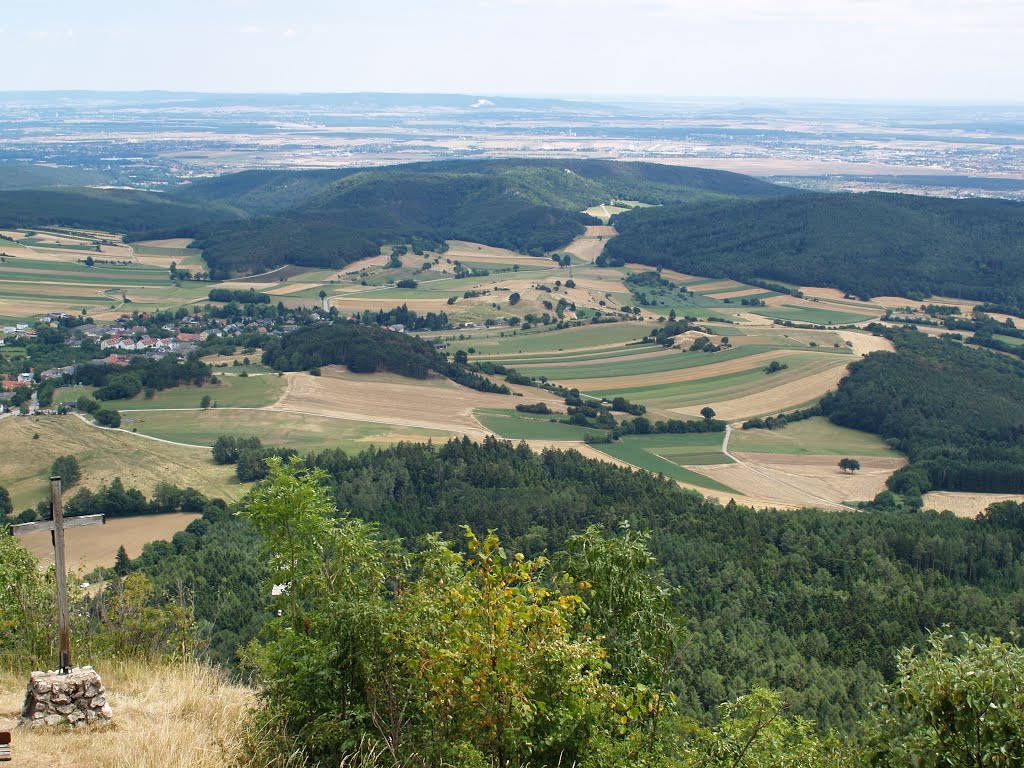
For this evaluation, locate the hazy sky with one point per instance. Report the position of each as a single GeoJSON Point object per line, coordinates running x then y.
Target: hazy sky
{"type": "Point", "coordinates": [932, 50]}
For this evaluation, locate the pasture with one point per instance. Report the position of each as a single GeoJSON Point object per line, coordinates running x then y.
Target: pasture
{"type": "Point", "coordinates": [103, 455]}
{"type": "Point", "coordinates": [815, 436]}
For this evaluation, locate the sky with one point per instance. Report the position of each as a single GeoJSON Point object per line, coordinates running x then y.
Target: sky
{"type": "Point", "coordinates": [944, 51]}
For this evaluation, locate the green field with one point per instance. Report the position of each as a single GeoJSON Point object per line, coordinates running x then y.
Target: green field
{"type": "Point", "coordinates": [816, 436]}
{"type": "Point", "coordinates": [514, 425]}
{"type": "Point", "coordinates": [582, 337]}
{"type": "Point", "coordinates": [1011, 340]}
{"type": "Point", "coordinates": [666, 360]}
{"type": "Point", "coordinates": [666, 454]}
{"type": "Point", "coordinates": [231, 392]}
{"type": "Point", "coordinates": [287, 430]}
{"type": "Point", "coordinates": [812, 316]}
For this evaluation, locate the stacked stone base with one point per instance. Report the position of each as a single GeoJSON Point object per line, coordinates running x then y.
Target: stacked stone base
{"type": "Point", "coordinates": [77, 698]}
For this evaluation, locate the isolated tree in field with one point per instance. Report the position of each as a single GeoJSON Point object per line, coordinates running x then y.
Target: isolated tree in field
{"type": "Point", "coordinates": [107, 418]}
{"type": "Point", "coordinates": [6, 506]}
{"type": "Point", "coordinates": [849, 465]}
{"type": "Point", "coordinates": [707, 412]}
{"type": "Point", "coordinates": [205, 402]}
{"type": "Point", "coordinates": [67, 469]}
{"type": "Point", "coordinates": [89, 261]}
{"type": "Point", "coordinates": [513, 298]}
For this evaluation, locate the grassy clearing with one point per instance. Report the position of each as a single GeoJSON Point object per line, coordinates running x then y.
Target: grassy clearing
{"type": "Point", "coordinates": [817, 436]}
{"type": "Point", "coordinates": [287, 430]}
{"type": "Point", "coordinates": [666, 454]}
{"type": "Point", "coordinates": [514, 425]}
{"type": "Point", "coordinates": [103, 455]}
{"type": "Point", "coordinates": [166, 715]}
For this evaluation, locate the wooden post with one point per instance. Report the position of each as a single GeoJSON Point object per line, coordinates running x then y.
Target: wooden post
{"type": "Point", "coordinates": [63, 623]}
{"type": "Point", "coordinates": [56, 526]}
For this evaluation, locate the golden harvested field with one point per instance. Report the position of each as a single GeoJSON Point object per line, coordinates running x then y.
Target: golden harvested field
{"type": "Point", "coordinates": [775, 400]}
{"type": "Point", "coordinates": [173, 242]}
{"type": "Point", "coordinates": [589, 246]}
{"type": "Point", "coordinates": [96, 545]}
{"type": "Point", "coordinates": [103, 455]}
{"type": "Point", "coordinates": [864, 343]}
{"type": "Point", "coordinates": [966, 504]}
{"type": "Point", "coordinates": [814, 481]}
{"type": "Point", "coordinates": [433, 403]}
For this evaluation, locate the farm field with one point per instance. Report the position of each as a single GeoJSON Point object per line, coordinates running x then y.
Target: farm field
{"type": "Point", "coordinates": [788, 480]}
{"type": "Point", "coordinates": [814, 436]}
{"type": "Point", "coordinates": [103, 455]}
{"type": "Point", "coordinates": [815, 316]}
{"type": "Point", "coordinates": [231, 392]}
{"type": "Point", "coordinates": [966, 504]}
{"type": "Point", "coordinates": [96, 546]}
{"type": "Point", "coordinates": [302, 432]}
{"type": "Point", "coordinates": [514, 425]}
{"type": "Point", "coordinates": [434, 403]}
{"type": "Point", "coordinates": [667, 454]}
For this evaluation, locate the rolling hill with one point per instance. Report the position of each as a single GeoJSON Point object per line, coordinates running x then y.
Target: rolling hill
{"type": "Point", "coordinates": [867, 244]}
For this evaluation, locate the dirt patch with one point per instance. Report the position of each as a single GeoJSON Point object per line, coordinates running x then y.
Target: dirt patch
{"type": "Point", "coordinates": [772, 401]}
{"type": "Point", "coordinates": [966, 504]}
{"type": "Point", "coordinates": [433, 403]}
{"type": "Point", "coordinates": [94, 546]}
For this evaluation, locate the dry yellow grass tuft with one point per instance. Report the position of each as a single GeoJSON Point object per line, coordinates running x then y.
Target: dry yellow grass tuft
{"type": "Point", "coordinates": [165, 715]}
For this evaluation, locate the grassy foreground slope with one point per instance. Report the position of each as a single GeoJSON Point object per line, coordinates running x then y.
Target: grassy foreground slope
{"type": "Point", "coordinates": [868, 244]}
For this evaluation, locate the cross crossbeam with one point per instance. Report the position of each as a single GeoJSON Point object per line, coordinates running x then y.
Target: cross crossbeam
{"type": "Point", "coordinates": [56, 526]}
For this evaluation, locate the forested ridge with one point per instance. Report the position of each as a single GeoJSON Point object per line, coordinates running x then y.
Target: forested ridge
{"type": "Point", "coordinates": [257, 220]}
{"type": "Point", "coordinates": [957, 412]}
{"type": "Point", "coordinates": [871, 244]}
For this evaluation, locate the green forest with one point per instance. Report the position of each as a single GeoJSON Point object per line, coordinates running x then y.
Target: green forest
{"type": "Point", "coordinates": [871, 244]}
{"type": "Point", "coordinates": [956, 412]}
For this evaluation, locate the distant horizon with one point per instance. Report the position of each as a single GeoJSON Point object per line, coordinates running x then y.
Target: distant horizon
{"type": "Point", "coordinates": [595, 97]}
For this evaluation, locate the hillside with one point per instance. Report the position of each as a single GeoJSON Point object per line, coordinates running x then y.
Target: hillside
{"type": "Point", "coordinates": [870, 244]}
{"type": "Point", "coordinates": [528, 206]}
{"type": "Point", "coordinates": [112, 210]}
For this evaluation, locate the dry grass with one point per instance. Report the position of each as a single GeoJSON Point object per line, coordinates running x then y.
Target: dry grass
{"type": "Point", "coordinates": [103, 455]}
{"type": "Point", "coordinates": [165, 716]}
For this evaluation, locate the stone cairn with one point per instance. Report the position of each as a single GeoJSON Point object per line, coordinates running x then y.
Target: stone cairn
{"type": "Point", "coordinates": [77, 698]}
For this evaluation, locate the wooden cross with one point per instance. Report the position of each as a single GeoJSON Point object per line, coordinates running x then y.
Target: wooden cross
{"type": "Point", "coordinates": [56, 526]}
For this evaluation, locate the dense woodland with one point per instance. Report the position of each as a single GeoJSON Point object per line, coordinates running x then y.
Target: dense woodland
{"type": "Point", "coordinates": [870, 244]}
{"type": "Point", "coordinates": [957, 412]}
